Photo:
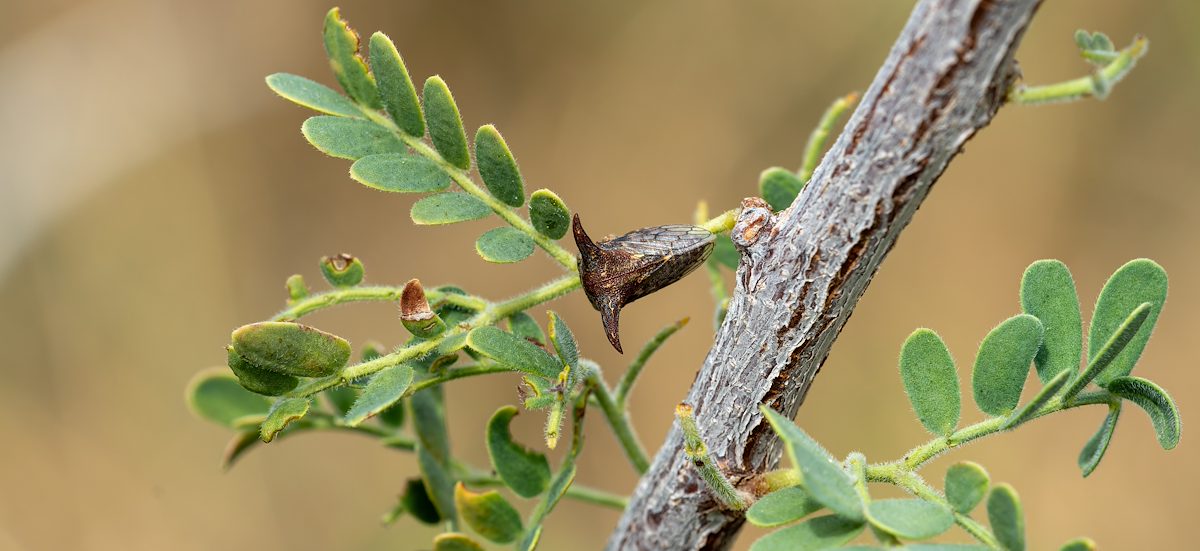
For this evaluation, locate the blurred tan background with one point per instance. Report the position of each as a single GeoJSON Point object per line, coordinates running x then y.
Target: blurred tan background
{"type": "Point", "coordinates": [154, 194]}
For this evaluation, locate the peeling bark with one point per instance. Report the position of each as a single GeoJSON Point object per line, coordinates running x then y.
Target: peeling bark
{"type": "Point", "coordinates": [804, 269]}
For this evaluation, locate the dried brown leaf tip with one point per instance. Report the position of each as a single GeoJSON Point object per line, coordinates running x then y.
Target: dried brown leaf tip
{"type": "Point", "coordinates": [416, 314]}
{"type": "Point", "coordinates": [621, 270]}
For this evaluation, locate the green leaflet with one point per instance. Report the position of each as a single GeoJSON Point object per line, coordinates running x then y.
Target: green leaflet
{"type": "Point", "coordinates": [291, 348]}
{"type": "Point", "coordinates": [779, 186]}
{"type": "Point", "coordinates": [504, 245]}
{"type": "Point", "coordinates": [523, 325]}
{"type": "Point", "coordinates": [313, 95]}
{"type": "Point", "coordinates": [1136, 282]}
{"type": "Point", "coordinates": [1110, 350]}
{"type": "Point", "coordinates": [825, 532]}
{"type": "Point", "coordinates": [823, 478]}
{"type": "Point", "coordinates": [1079, 544]}
{"type": "Point", "coordinates": [781, 507]}
{"type": "Point", "coordinates": [445, 124]}
{"type": "Point", "coordinates": [1093, 450]}
{"type": "Point", "coordinates": [548, 213]}
{"type": "Point", "coordinates": [400, 172]}
{"type": "Point", "coordinates": [725, 253]}
{"type": "Point", "coordinates": [911, 518]}
{"type": "Point", "coordinates": [1043, 397]}
{"type": "Point", "coordinates": [453, 541]}
{"type": "Point", "coordinates": [438, 482]}
{"type": "Point", "coordinates": [526, 472]}
{"type": "Point", "coordinates": [931, 381]}
{"type": "Point", "coordinates": [350, 138]}
{"type": "Point", "coordinates": [488, 514]}
{"type": "Point", "coordinates": [341, 43]}
{"type": "Point", "coordinates": [281, 413]}
{"type": "Point", "coordinates": [966, 484]}
{"type": "Point", "coordinates": [448, 208]}
{"type": "Point", "coordinates": [1003, 363]}
{"type": "Point", "coordinates": [564, 341]}
{"type": "Point", "coordinates": [416, 501]}
{"type": "Point", "coordinates": [1006, 518]}
{"type": "Point", "coordinates": [215, 395]}
{"type": "Point", "coordinates": [1048, 293]}
{"type": "Point", "coordinates": [1155, 402]}
{"type": "Point", "coordinates": [514, 352]}
{"type": "Point", "coordinates": [241, 443]}
{"type": "Point", "coordinates": [558, 488]}
{"type": "Point", "coordinates": [296, 287]}
{"type": "Point", "coordinates": [385, 389]}
{"type": "Point", "coordinates": [258, 380]}
{"type": "Point", "coordinates": [396, 89]}
{"type": "Point", "coordinates": [342, 270]}
{"type": "Point", "coordinates": [429, 422]}
{"type": "Point", "coordinates": [498, 168]}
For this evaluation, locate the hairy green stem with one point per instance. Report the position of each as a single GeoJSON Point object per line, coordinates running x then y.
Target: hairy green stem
{"type": "Point", "coordinates": [820, 135]}
{"type": "Point", "coordinates": [617, 419]}
{"type": "Point", "coordinates": [697, 451]}
{"type": "Point", "coordinates": [574, 491]}
{"type": "Point", "coordinates": [625, 385]}
{"type": "Point", "coordinates": [1097, 84]}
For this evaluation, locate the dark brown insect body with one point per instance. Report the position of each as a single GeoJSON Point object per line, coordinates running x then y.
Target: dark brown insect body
{"type": "Point", "coordinates": [623, 269]}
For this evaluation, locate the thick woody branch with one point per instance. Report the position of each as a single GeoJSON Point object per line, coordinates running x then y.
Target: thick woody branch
{"type": "Point", "coordinates": [804, 270]}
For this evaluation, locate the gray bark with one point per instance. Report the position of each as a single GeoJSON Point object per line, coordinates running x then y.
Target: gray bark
{"type": "Point", "coordinates": [804, 269]}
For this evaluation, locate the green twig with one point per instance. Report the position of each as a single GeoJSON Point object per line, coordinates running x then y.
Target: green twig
{"type": "Point", "coordinates": [574, 491]}
{"type": "Point", "coordinates": [1098, 84]}
{"type": "Point", "coordinates": [697, 451]}
{"type": "Point", "coordinates": [625, 385]}
{"type": "Point", "coordinates": [617, 419]}
{"type": "Point", "coordinates": [820, 134]}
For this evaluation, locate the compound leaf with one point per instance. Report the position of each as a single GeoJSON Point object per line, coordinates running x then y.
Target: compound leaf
{"type": "Point", "coordinates": [931, 381]}
{"type": "Point", "coordinates": [349, 138]}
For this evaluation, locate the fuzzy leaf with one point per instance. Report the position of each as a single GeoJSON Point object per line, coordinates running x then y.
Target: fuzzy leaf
{"type": "Point", "coordinates": [1006, 518]}
{"type": "Point", "coordinates": [514, 352]}
{"type": "Point", "coordinates": [564, 341]}
{"type": "Point", "coordinates": [259, 380]}
{"type": "Point", "coordinates": [931, 381]}
{"type": "Point", "coordinates": [429, 422]}
{"type": "Point", "coordinates": [1155, 402]}
{"type": "Point", "coordinates": [341, 43]}
{"type": "Point", "coordinates": [779, 186]}
{"type": "Point", "coordinates": [448, 208]}
{"type": "Point", "coordinates": [386, 388]}
{"type": "Point", "coordinates": [349, 138]}
{"type": "Point", "coordinates": [549, 214]}
{"type": "Point", "coordinates": [237, 446]}
{"type": "Point", "coordinates": [1043, 397]}
{"type": "Point", "coordinates": [488, 514]}
{"type": "Point", "coordinates": [313, 95]}
{"type": "Point", "coordinates": [1093, 450]}
{"type": "Point", "coordinates": [966, 484]}
{"type": "Point", "coordinates": [825, 532]}
{"type": "Point", "coordinates": [523, 325]}
{"type": "Point", "coordinates": [498, 168]}
{"type": "Point", "coordinates": [1003, 363]}
{"type": "Point", "coordinates": [400, 172]}
{"type": "Point", "coordinates": [445, 124]}
{"type": "Point", "coordinates": [912, 518]}
{"type": "Point", "coordinates": [526, 472]}
{"type": "Point", "coordinates": [291, 348]}
{"type": "Point", "coordinates": [283, 412]}
{"type": "Point", "coordinates": [781, 507]}
{"type": "Point", "coordinates": [504, 245]}
{"type": "Point", "coordinates": [1048, 293]}
{"type": "Point", "coordinates": [341, 398]}
{"type": "Point", "coordinates": [214, 394]}
{"type": "Point", "coordinates": [416, 501]}
{"type": "Point", "coordinates": [1111, 350]}
{"type": "Point", "coordinates": [824, 479]}
{"type": "Point", "coordinates": [1079, 544]}
{"type": "Point", "coordinates": [725, 252]}
{"type": "Point", "coordinates": [438, 482]}
{"type": "Point", "coordinates": [396, 89]}
{"type": "Point", "coordinates": [453, 541]}
{"type": "Point", "coordinates": [1138, 281]}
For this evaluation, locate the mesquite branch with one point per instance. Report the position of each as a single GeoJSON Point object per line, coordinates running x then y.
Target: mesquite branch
{"type": "Point", "coordinates": [803, 270]}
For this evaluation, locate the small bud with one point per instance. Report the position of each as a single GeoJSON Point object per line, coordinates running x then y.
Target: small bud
{"type": "Point", "coordinates": [342, 270]}
{"type": "Point", "coordinates": [621, 270]}
{"type": "Point", "coordinates": [415, 313]}
{"type": "Point", "coordinates": [296, 288]}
